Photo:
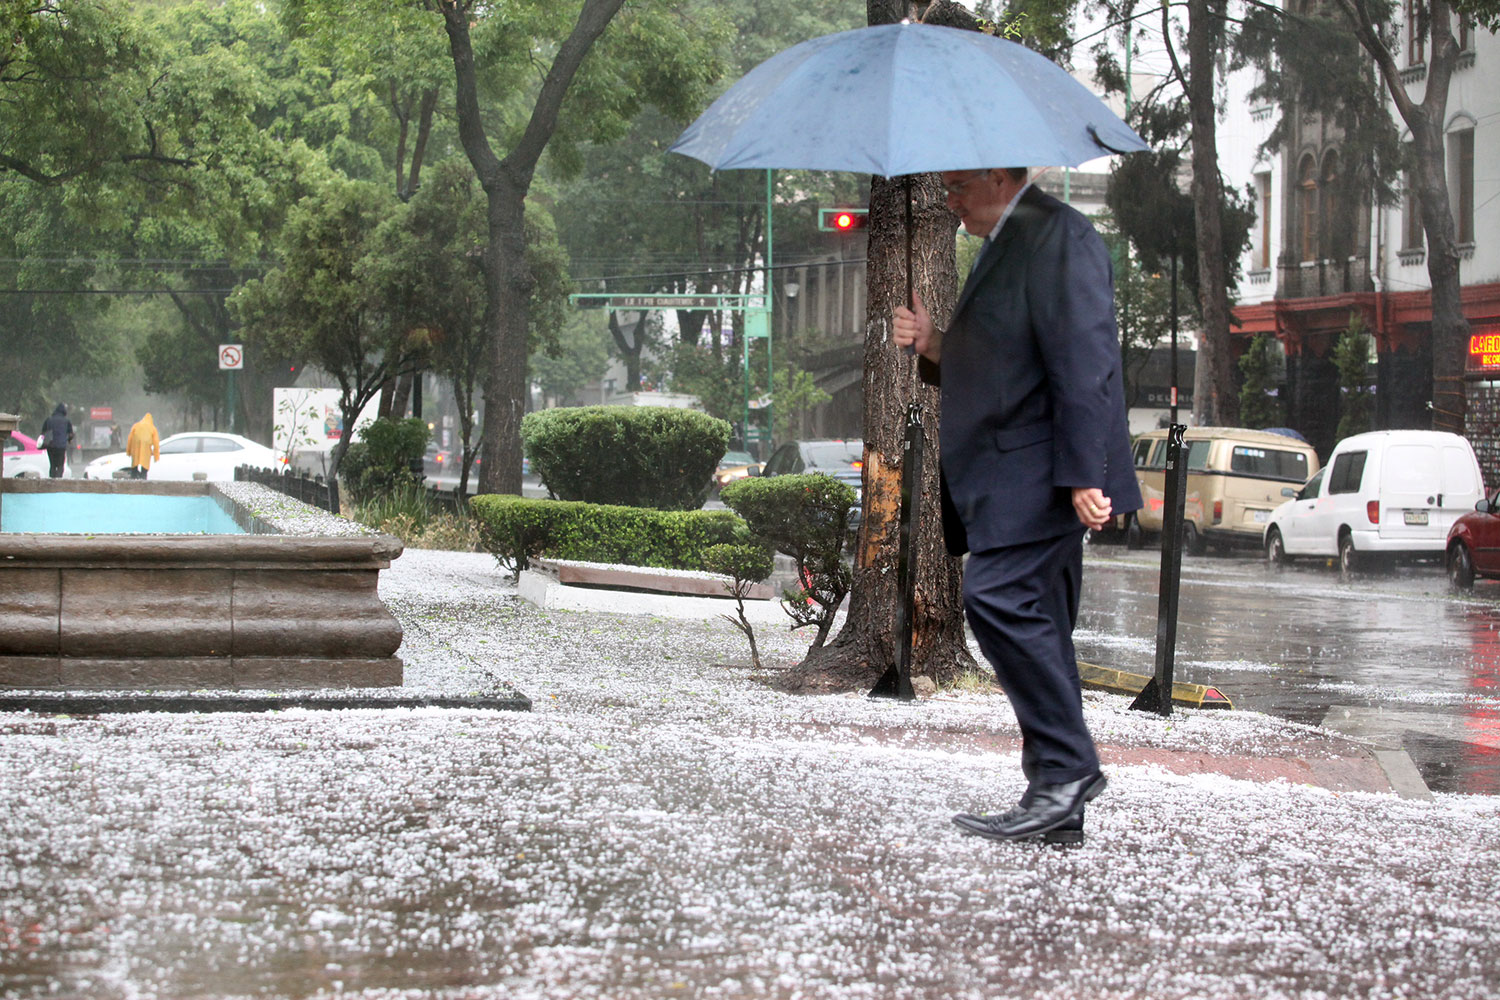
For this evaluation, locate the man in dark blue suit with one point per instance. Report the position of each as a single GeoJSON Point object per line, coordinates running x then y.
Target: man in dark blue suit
{"type": "Point", "coordinates": [1035, 451]}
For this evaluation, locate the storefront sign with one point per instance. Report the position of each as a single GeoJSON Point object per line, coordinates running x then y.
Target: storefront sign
{"type": "Point", "coordinates": [1484, 352]}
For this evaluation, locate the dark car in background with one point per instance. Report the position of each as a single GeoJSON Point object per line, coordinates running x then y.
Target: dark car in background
{"type": "Point", "coordinates": [841, 458]}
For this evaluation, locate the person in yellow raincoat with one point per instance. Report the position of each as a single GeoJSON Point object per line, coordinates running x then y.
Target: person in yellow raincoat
{"type": "Point", "coordinates": [143, 445]}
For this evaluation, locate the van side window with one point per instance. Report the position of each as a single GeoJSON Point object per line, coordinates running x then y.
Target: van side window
{"type": "Point", "coordinates": [1197, 456]}
{"type": "Point", "coordinates": [1142, 452]}
{"type": "Point", "coordinates": [1348, 473]}
{"type": "Point", "coordinates": [1310, 491]}
{"type": "Point", "coordinates": [1269, 463]}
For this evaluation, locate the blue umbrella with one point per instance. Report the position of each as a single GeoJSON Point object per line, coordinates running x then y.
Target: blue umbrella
{"type": "Point", "coordinates": [899, 99]}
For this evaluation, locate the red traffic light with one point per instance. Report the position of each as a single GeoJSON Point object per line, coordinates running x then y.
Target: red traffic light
{"type": "Point", "coordinates": [842, 220]}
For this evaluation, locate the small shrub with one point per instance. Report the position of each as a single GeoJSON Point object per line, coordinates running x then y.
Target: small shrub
{"type": "Point", "coordinates": [745, 565]}
{"type": "Point", "coordinates": [807, 518]}
{"type": "Point", "coordinates": [405, 504]}
{"type": "Point", "coordinates": [382, 460]}
{"type": "Point", "coordinates": [519, 529]}
{"type": "Point", "coordinates": [644, 456]}
{"type": "Point", "coordinates": [409, 513]}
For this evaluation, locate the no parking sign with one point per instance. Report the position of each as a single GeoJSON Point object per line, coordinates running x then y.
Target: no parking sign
{"type": "Point", "coordinates": [231, 357]}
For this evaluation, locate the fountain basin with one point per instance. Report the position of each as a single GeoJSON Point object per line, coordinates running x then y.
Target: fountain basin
{"type": "Point", "coordinates": [289, 604]}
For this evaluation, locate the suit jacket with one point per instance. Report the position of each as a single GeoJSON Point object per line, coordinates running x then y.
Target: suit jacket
{"type": "Point", "coordinates": [1032, 399]}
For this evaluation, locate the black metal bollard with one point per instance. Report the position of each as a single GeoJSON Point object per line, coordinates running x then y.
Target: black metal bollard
{"type": "Point", "coordinates": [1156, 696]}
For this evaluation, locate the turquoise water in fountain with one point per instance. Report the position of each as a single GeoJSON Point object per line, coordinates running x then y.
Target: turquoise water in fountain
{"type": "Point", "coordinates": [114, 514]}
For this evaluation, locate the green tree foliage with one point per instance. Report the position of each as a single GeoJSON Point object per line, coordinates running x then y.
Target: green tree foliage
{"type": "Point", "coordinates": [1143, 306]}
{"type": "Point", "coordinates": [579, 357]}
{"type": "Point", "coordinates": [1151, 209]}
{"type": "Point", "coordinates": [319, 301]}
{"type": "Point", "coordinates": [656, 53]}
{"type": "Point", "coordinates": [1351, 353]}
{"type": "Point", "coordinates": [1259, 400]}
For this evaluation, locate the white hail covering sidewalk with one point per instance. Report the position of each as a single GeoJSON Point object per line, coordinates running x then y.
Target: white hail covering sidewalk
{"type": "Point", "coordinates": [662, 825]}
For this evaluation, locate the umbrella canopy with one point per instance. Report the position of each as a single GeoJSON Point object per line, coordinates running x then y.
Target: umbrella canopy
{"type": "Point", "coordinates": [900, 99]}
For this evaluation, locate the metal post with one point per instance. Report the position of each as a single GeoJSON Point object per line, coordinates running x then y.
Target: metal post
{"type": "Point", "coordinates": [1172, 419]}
{"type": "Point", "coordinates": [1156, 696]}
{"type": "Point", "coordinates": [770, 317]}
{"type": "Point", "coordinates": [230, 402]}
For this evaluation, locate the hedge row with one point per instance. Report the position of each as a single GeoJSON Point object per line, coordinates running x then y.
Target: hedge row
{"type": "Point", "coordinates": [519, 529]}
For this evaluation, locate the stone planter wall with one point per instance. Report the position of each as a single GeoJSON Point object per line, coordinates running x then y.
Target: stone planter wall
{"type": "Point", "coordinates": [278, 609]}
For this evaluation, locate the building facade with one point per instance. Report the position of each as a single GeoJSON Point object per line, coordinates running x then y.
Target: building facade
{"type": "Point", "coordinates": [1324, 255]}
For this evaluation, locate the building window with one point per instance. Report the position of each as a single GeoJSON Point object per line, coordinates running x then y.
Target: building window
{"type": "Point", "coordinates": [1332, 238]}
{"type": "Point", "coordinates": [1463, 34]}
{"type": "Point", "coordinates": [1413, 236]}
{"type": "Point", "coordinates": [1416, 40]}
{"type": "Point", "coordinates": [1263, 252]}
{"type": "Point", "coordinates": [1461, 183]}
{"type": "Point", "coordinates": [1308, 194]}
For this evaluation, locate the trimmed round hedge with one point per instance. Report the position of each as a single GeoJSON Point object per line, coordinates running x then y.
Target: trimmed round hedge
{"type": "Point", "coordinates": [630, 456]}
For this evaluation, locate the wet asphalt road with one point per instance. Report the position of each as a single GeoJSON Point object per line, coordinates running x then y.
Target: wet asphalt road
{"type": "Point", "coordinates": [1392, 656]}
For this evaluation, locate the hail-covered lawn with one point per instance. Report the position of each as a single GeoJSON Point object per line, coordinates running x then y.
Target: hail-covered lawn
{"type": "Point", "coordinates": [662, 824]}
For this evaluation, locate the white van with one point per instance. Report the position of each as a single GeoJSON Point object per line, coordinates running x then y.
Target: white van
{"type": "Point", "coordinates": [1381, 493]}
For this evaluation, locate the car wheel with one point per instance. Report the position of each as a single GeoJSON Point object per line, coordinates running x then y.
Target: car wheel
{"type": "Point", "coordinates": [1134, 536]}
{"type": "Point", "coordinates": [1276, 548]}
{"type": "Point", "coordinates": [1461, 567]}
{"type": "Point", "coordinates": [1348, 558]}
{"type": "Point", "coordinates": [1192, 539]}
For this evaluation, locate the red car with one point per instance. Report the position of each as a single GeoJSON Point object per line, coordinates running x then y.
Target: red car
{"type": "Point", "coordinates": [1474, 544]}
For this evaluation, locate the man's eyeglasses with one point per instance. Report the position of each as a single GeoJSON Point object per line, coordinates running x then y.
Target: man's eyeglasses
{"type": "Point", "coordinates": [957, 190]}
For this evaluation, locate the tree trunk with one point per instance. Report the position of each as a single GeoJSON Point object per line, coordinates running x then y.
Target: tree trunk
{"type": "Point", "coordinates": [507, 279]}
{"type": "Point", "coordinates": [1450, 330]}
{"type": "Point", "coordinates": [1215, 400]}
{"type": "Point", "coordinates": [508, 283]}
{"type": "Point", "coordinates": [867, 644]}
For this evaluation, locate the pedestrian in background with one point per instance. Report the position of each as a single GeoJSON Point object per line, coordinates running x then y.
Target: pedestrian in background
{"type": "Point", "coordinates": [143, 445]}
{"type": "Point", "coordinates": [1035, 451]}
{"type": "Point", "coordinates": [57, 438]}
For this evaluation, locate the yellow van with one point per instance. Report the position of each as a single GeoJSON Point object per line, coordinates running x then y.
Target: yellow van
{"type": "Point", "coordinates": [1234, 481]}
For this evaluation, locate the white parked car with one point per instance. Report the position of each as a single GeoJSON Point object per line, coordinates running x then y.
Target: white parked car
{"type": "Point", "coordinates": [213, 453]}
{"type": "Point", "coordinates": [1382, 493]}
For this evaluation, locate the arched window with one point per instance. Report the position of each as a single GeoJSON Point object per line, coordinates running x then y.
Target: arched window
{"type": "Point", "coordinates": [1461, 176]}
{"type": "Point", "coordinates": [1334, 238]}
{"type": "Point", "coordinates": [1307, 194]}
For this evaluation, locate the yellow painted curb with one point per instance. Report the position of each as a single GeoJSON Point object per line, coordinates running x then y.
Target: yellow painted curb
{"type": "Point", "coordinates": [1120, 682]}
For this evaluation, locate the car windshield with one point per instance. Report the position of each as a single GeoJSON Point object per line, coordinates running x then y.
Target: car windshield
{"type": "Point", "coordinates": [828, 453]}
{"type": "Point", "coordinates": [736, 458]}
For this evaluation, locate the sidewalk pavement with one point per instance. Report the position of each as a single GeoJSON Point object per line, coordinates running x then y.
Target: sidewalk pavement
{"type": "Point", "coordinates": [664, 825]}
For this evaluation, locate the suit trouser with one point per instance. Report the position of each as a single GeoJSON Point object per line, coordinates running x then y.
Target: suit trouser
{"type": "Point", "coordinates": [1022, 603]}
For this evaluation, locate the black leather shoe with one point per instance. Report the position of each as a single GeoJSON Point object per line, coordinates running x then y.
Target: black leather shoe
{"type": "Point", "coordinates": [1051, 808]}
{"type": "Point", "coordinates": [1069, 834]}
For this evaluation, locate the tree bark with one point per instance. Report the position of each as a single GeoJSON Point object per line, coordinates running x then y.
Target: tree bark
{"type": "Point", "coordinates": [1215, 399]}
{"type": "Point", "coordinates": [1425, 119]}
{"type": "Point", "coordinates": [867, 644]}
{"type": "Point", "coordinates": [507, 278]}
